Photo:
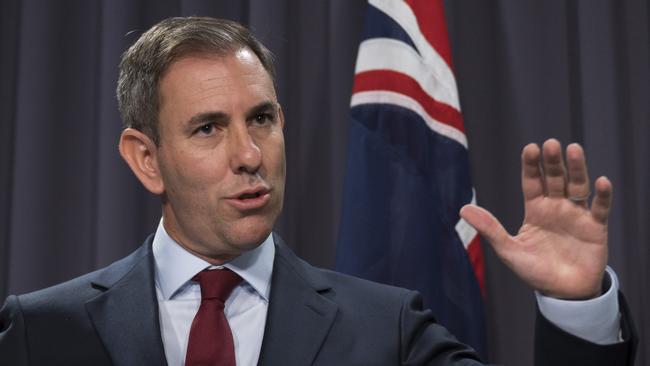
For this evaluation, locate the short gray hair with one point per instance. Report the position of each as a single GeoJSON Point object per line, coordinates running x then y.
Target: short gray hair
{"type": "Point", "coordinates": [144, 63]}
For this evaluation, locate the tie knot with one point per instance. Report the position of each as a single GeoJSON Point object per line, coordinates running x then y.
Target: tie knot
{"type": "Point", "coordinates": [217, 283]}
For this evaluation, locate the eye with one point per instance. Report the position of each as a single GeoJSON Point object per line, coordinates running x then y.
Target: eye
{"type": "Point", "coordinates": [263, 118]}
{"type": "Point", "coordinates": [206, 129]}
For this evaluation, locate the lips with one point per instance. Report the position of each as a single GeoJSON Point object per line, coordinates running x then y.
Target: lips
{"type": "Point", "coordinates": [250, 199]}
{"type": "Point", "coordinates": [246, 196]}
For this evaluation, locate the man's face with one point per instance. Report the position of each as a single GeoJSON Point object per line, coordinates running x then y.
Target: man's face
{"type": "Point", "coordinates": [221, 153]}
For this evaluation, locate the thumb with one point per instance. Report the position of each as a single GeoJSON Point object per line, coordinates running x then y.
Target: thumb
{"type": "Point", "coordinates": [487, 225]}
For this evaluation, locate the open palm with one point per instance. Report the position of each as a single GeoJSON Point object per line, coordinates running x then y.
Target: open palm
{"type": "Point", "coordinates": [561, 248]}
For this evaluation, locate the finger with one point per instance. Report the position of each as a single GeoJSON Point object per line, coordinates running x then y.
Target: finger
{"type": "Point", "coordinates": [554, 171]}
{"type": "Point", "coordinates": [487, 225]}
{"type": "Point", "coordinates": [602, 202]}
{"type": "Point", "coordinates": [578, 186]}
{"type": "Point", "coordinates": [531, 176]}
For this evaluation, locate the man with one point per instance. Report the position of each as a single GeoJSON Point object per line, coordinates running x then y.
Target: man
{"type": "Point", "coordinates": [203, 130]}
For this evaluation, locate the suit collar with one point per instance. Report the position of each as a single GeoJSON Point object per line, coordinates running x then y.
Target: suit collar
{"type": "Point", "coordinates": [125, 315]}
{"type": "Point", "coordinates": [175, 265]}
{"type": "Point", "coordinates": [299, 315]}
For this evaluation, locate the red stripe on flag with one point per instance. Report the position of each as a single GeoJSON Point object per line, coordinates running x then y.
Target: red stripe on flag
{"type": "Point", "coordinates": [475, 253]}
{"type": "Point", "coordinates": [430, 15]}
{"type": "Point", "coordinates": [400, 83]}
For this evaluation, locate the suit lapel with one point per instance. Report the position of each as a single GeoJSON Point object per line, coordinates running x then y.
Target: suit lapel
{"type": "Point", "coordinates": [299, 316]}
{"type": "Point", "coordinates": [126, 314]}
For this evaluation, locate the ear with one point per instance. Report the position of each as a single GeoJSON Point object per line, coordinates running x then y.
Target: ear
{"type": "Point", "coordinates": [281, 115]}
{"type": "Point", "coordinates": [140, 153]}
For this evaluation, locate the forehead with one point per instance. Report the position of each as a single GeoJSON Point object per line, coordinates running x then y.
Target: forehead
{"type": "Point", "coordinates": [199, 76]}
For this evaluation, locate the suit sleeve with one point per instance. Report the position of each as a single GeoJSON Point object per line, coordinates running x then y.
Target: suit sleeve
{"type": "Point", "coordinates": [555, 347]}
{"type": "Point", "coordinates": [425, 342]}
{"type": "Point", "coordinates": [13, 349]}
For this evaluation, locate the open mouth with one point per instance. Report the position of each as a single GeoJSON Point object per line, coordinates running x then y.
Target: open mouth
{"type": "Point", "coordinates": [251, 199]}
{"type": "Point", "coordinates": [248, 196]}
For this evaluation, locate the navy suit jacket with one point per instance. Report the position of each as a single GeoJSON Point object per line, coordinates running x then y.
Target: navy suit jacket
{"type": "Point", "coordinates": [315, 317]}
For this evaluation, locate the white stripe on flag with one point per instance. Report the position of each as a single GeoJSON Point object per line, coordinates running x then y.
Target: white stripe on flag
{"type": "Point", "coordinates": [390, 54]}
{"type": "Point", "coordinates": [401, 100]}
{"type": "Point", "coordinates": [401, 13]}
{"type": "Point", "coordinates": [465, 231]}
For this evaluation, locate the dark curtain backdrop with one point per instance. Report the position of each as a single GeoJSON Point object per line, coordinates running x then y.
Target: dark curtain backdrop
{"type": "Point", "coordinates": [527, 70]}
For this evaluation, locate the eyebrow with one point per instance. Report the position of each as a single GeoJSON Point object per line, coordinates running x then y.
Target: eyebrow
{"type": "Point", "coordinates": [266, 106]}
{"type": "Point", "coordinates": [212, 117]}
{"type": "Point", "coordinates": [221, 117]}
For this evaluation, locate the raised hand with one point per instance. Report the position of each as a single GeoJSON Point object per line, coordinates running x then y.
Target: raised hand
{"type": "Point", "coordinates": [561, 248]}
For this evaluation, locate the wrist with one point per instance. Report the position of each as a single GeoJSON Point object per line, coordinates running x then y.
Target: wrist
{"type": "Point", "coordinates": [584, 294]}
{"type": "Point", "coordinates": [596, 320]}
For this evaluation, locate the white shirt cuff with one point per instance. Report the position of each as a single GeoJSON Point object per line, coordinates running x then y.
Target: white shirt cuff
{"type": "Point", "coordinates": [597, 320]}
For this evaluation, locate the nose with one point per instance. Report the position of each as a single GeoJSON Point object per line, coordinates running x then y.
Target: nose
{"type": "Point", "coordinates": [245, 154]}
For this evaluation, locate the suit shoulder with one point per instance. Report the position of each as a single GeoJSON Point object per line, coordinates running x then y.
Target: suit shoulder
{"type": "Point", "coordinates": [355, 292]}
{"type": "Point", "coordinates": [71, 291]}
{"type": "Point", "coordinates": [346, 288]}
{"type": "Point", "coordinates": [82, 288]}
{"type": "Point", "coordinates": [362, 286]}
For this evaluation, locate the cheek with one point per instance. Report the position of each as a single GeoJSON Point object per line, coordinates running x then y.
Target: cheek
{"type": "Point", "coordinates": [193, 174]}
{"type": "Point", "coordinates": [275, 152]}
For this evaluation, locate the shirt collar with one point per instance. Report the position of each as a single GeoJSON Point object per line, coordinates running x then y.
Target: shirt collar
{"type": "Point", "coordinates": [175, 266]}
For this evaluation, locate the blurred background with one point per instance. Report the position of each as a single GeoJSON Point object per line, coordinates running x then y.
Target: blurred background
{"type": "Point", "coordinates": [526, 71]}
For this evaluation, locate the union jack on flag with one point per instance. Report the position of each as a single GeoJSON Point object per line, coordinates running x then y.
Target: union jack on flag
{"type": "Point", "coordinates": [407, 174]}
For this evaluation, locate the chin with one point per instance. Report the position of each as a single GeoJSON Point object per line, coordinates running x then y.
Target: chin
{"type": "Point", "coordinates": [250, 234]}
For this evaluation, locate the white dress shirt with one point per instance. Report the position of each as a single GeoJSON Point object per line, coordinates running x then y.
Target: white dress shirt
{"type": "Point", "coordinates": [179, 297]}
{"type": "Point", "coordinates": [596, 320]}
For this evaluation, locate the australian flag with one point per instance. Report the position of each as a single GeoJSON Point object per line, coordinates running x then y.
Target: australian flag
{"type": "Point", "coordinates": [407, 171]}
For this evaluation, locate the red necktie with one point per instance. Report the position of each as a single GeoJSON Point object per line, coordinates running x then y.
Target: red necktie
{"type": "Point", "coordinates": [210, 341]}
